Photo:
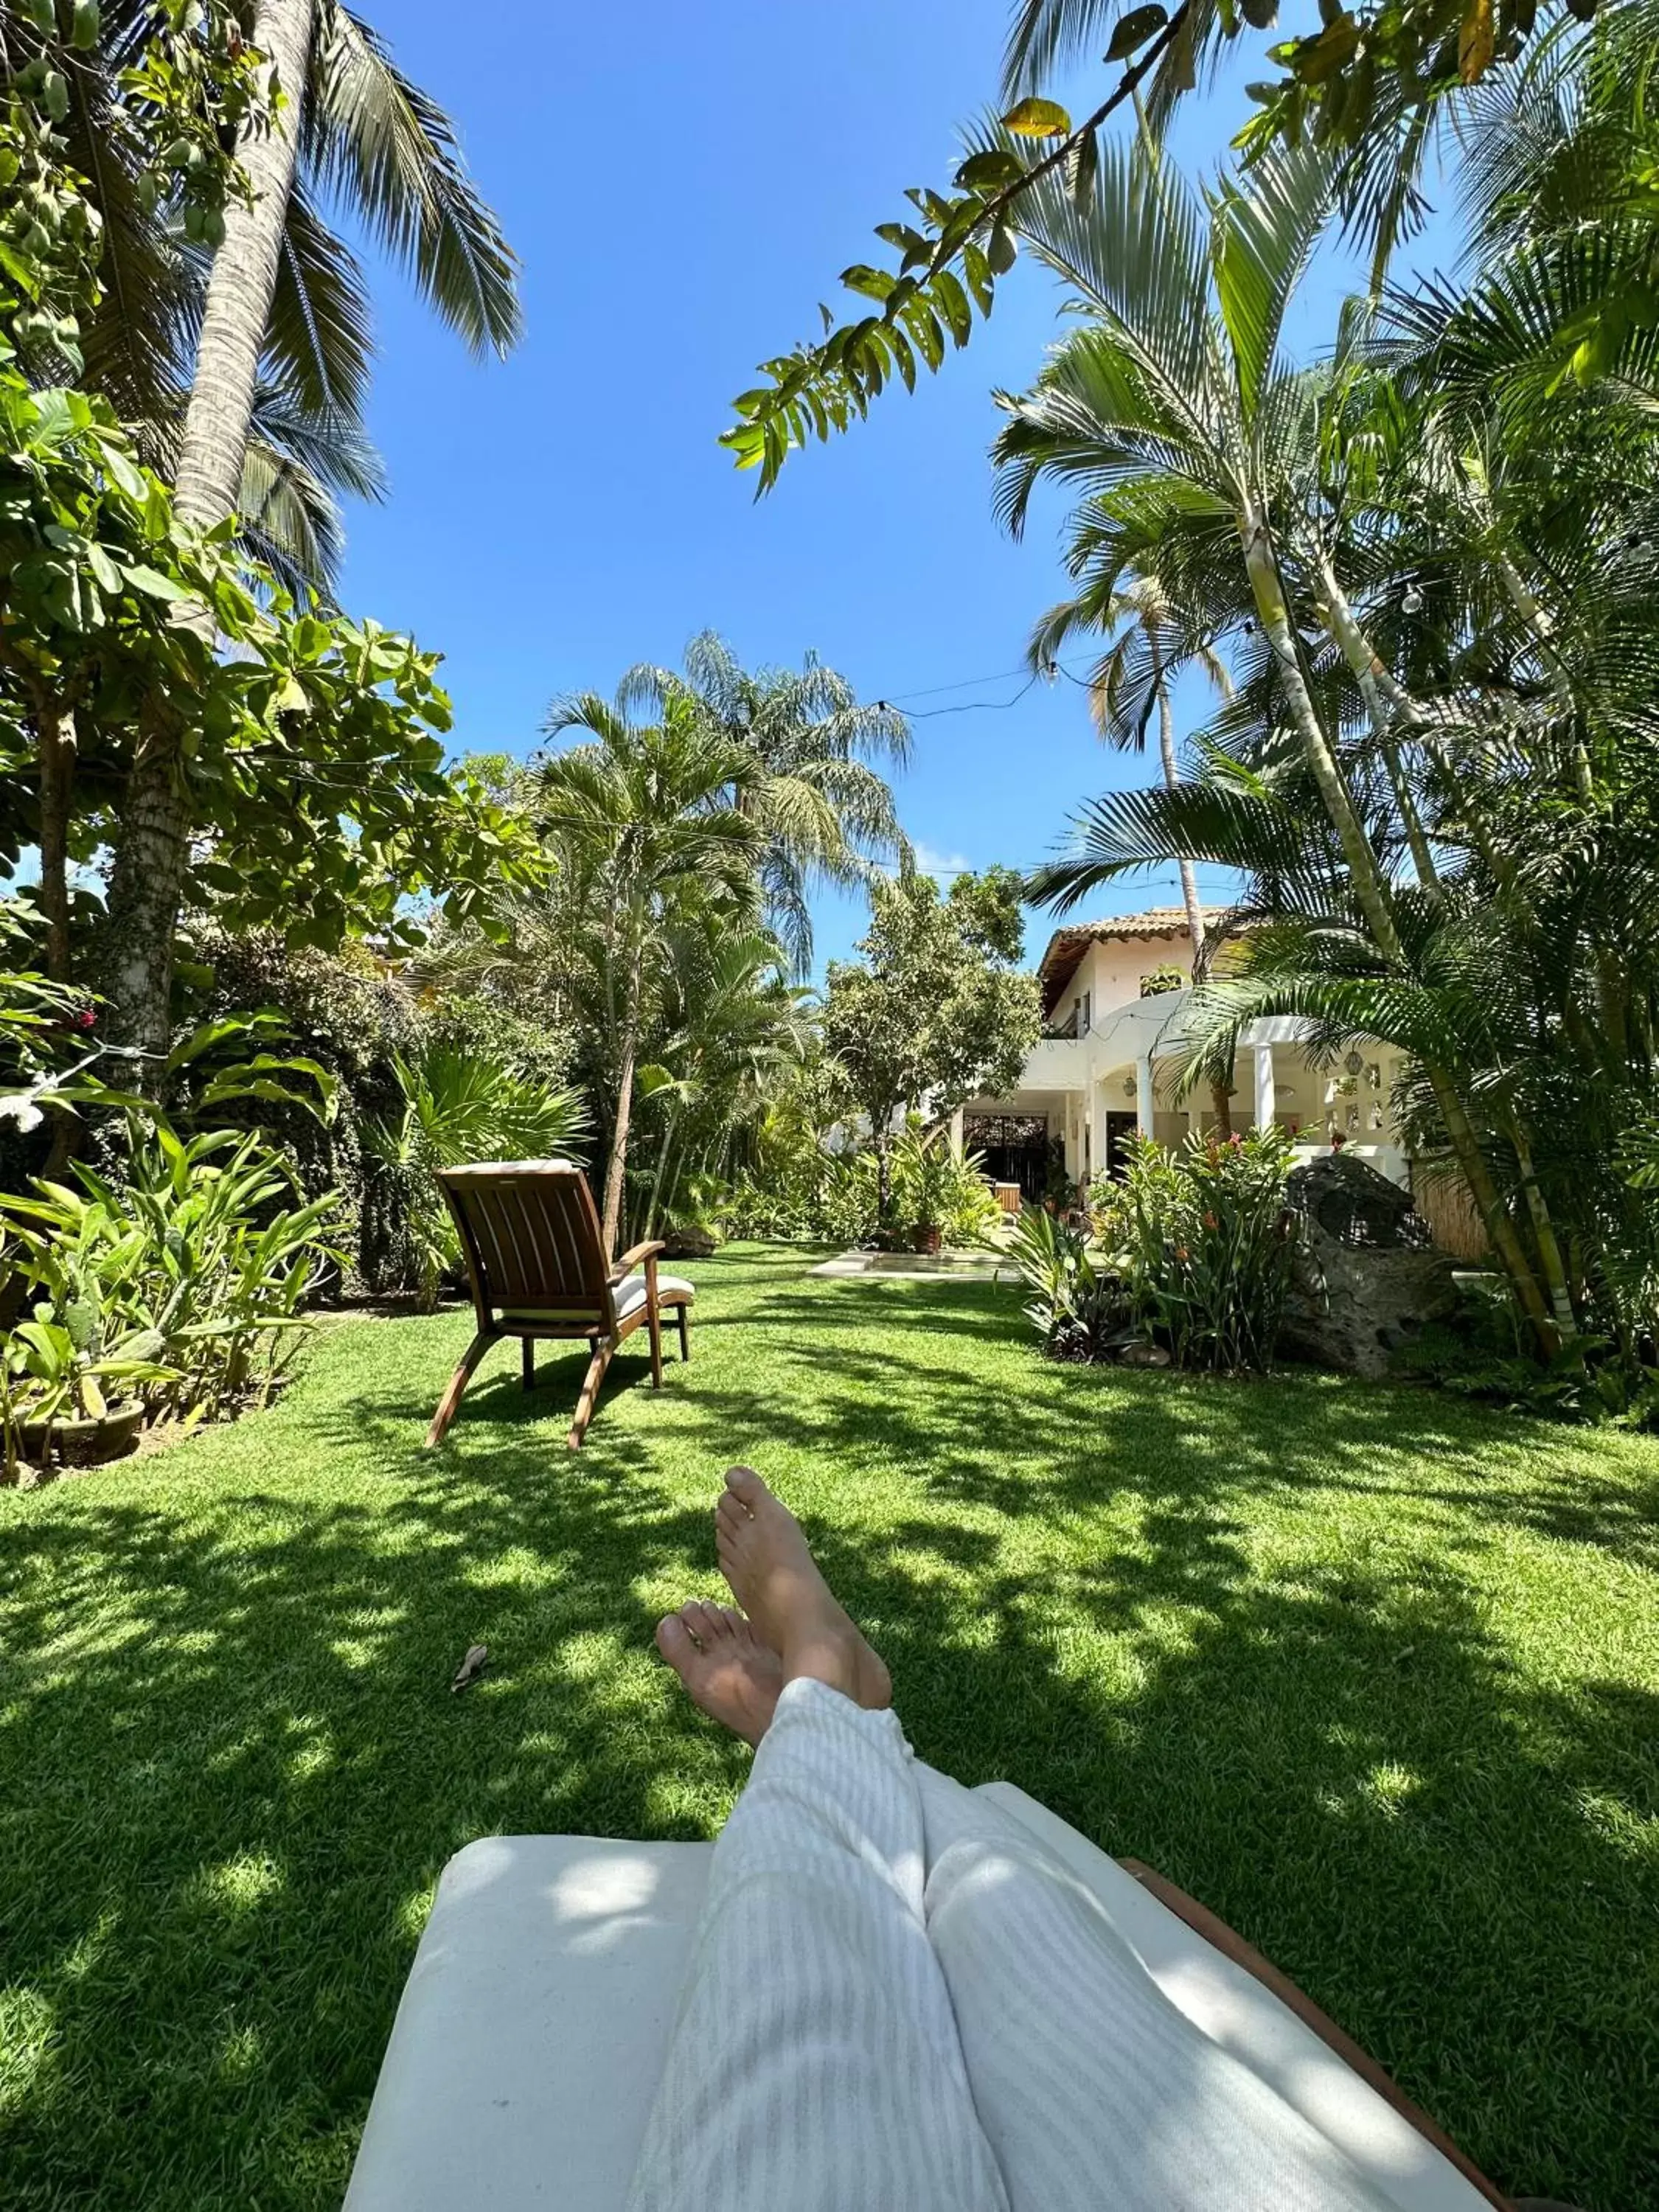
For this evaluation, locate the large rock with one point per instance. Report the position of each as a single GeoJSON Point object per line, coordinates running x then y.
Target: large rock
{"type": "Point", "coordinates": [1365, 1277]}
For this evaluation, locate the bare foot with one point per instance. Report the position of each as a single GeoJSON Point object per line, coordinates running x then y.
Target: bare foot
{"type": "Point", "coordinates": [724, 1666]}
{"type": "Point", "coordinates": [775, 1578]}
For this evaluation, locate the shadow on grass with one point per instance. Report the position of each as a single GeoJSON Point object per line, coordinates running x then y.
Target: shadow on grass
{"type": "Point", "coordinates": [240, 1770]}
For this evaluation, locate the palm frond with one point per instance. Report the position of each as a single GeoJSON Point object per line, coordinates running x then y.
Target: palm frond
{"type": "Point", "coordinates": [375, 140]}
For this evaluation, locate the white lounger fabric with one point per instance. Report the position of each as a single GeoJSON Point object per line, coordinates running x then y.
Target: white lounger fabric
{"type": "Point", "coordinates": [531, 2034]}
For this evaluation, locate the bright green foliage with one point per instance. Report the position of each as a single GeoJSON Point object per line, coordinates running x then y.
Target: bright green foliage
{"type": "Point", "coordinates": [459, 1107]}
{"type": "Point", "coordinates": [726, 1034]}
{"type": "Point", "coordinates": [1372, 1672]}
{"type": "Point", "coordinates": [938, 1185]}
{"type": "Point", "coordinates": [934, 1010]}
{"type": "Point", "coordinates": [195, 1264]}
{"type": "Point", "coordinates": [1075, 1299]}
{"type": "Point", "coordinates": [318, 794]}
{"type": "Point", "coordinates": [805, 1181]}
{"type": "Point", "coordinates": [1202, 1239]}
{"type": "Point", "coordinates": [1368, 85]}
{"type": "Point", "coordinates": [814, 786]}
{"type": "Point", "coordinates": [807, 1194]}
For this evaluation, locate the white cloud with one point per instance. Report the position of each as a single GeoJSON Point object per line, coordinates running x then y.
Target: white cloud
{"type": "Point", "coordinates": [932, 862]}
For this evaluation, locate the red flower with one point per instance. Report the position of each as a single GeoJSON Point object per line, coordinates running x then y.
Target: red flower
{"type": "Point", "coordinates": [1181, 1252]}
{"type": "Point", "coordinates": [1210, 1222]}
{"type": "Point", "coordinates": [86, 1019]}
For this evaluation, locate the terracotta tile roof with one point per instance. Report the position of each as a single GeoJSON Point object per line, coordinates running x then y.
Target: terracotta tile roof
{"type": "Point", "coordinates": [1067, 947]}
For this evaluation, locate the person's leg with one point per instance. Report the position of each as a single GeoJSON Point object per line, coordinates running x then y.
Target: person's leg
{"type": "Point", "coordinates": [815, 2065]}
{"type": "Point", "coordinates": [1091, 2087]}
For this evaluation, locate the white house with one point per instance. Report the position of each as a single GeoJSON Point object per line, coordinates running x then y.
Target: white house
{"type": "Point", "coordinates": [1107, 1063]}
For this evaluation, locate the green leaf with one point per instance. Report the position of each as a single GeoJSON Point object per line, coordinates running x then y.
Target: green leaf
{"type": "Point", "coordinates": [1134, 29]}
{"type": "Point", "coordinates": [873, 283]}
{"type": "Point", "coordinates": [217, 1031]}
{"type": "Point", "coordinates": [105, 572]}
{"type": "Point", "coordinates": [153, 583]}
{"type": "Point", "coordinates": [952, 302]}
{"type": "Point", "coordinates": [1037, 119]}
{"type": "Point", "coordinates": [989, 171]}
{"type": "Point", "coordinates": [1000, 251]}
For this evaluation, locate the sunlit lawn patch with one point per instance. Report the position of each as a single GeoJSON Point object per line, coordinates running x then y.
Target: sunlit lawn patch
{"type": "Point", "coordinates": [1375, 1673]}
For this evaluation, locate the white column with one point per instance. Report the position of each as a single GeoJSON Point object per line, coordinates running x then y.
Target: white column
{"type": "Point", "coordinates": [1264, 1086]}
{"type": "Point", "coordinates": [1098, 1144]}
{"type": "Point", "coordinates": [1143, 1094]}
{"type": "Point", "coordinates": [956, 1130]}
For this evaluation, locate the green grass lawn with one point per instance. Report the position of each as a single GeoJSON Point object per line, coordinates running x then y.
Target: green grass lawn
{"type": "Point", "coordinates": [1374, 1674]}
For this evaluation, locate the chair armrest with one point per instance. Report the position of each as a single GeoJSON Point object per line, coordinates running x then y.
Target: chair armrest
{"type": "Point", "coordinates": [632, 1257]}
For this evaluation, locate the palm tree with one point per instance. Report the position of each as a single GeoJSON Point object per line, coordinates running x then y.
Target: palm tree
{"type": "Point", "coordinates": [827, 813]}
{"type": "Point", "coordinates": [350, 127]}
{"type": "Point", "coordinates": [1132, 679]}
{"type": "Point", "coordinates": [642, 817]}
{"type": "Point", "coordinates": [734, 1027]}
{"type": "Point", "coordinates": [1170, 405]}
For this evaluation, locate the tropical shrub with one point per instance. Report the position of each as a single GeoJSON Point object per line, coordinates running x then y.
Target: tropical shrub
{"type": "Point", "coordinates": [456, 1105]}
{"type": "Point", "coordinates": [181, 1282]}
{"type": "Point", "coordinates": [1077, 1303]}
{"type": "Point", "coordinates": [938, 1185]}
{"type": "Point", "coordinates": [1203, 1238]}
{"type": "Point", "coordinates": [355, 1013]}
{"type": "Point", "coordinates": [816, 1196]}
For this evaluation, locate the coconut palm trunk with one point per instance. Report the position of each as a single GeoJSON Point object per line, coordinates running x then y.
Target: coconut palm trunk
{"type": "Point", "coordinates": [1220, 1102]}
{"type": "Point", "coordinates": [1365, 875]}
{"type": "Point", "coordinates": [147, 881]}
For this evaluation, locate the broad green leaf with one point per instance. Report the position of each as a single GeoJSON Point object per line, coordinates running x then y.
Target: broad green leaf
{"type": "Point", "coordinates": [989, 171]}
{"type": "Point", "coordinates": [1134, 29]}
{"type": "Point", "coordinates": [107, 575]}
{"type": "Point", "coordinates": [873, 283]}
{"type": "Point", "coordinates": [152, 582]}
{"type": "Point", "coordinates": [1037, 119]}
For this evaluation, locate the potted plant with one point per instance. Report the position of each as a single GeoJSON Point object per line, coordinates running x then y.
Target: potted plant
{"type": "Point", "coordinates": [70, 1394]}
{"type": "Point", "coordinates": [923, 1182]}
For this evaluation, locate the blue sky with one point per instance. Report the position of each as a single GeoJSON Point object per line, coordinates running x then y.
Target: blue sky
{"type": "Point", "coordinates": [683, 184]}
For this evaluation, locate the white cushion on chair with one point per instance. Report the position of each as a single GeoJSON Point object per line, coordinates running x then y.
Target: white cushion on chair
{"type": "Point", "coordinates": [534, 2024]}
{"type": "Point", "coordinates": [671, 1290]}
{"type": "Point", "coordinates": [533, 2029]}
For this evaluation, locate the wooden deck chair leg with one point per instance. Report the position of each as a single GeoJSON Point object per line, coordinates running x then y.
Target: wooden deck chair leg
{"type": "Point", "coordinates": [449, 1404]}
{"type": "Point", "coordinates": [528, 1343]}
{"type": "Point", "coordinates": [653, 1326]}
{"type": "Point", "coordinates": [685, 1330]}
{"type": "Point", "coordinates": [589, 1399]}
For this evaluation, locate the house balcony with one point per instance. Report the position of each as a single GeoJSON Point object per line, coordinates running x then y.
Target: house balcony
{"type": "Point", "coordinates": [1056, 1064]}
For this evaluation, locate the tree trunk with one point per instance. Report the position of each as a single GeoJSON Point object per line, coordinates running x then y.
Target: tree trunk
{"type": "Point", "coordinates": [243, 280]}
{"type": "Point", "coordinates": [147, 878]}
{"type": "Point", "coordinates": [1364, 869]}
{"type": "Point", "coordinates": [57, 734]}
{"type": "Point", "coordinates": [1367, 667]}
{"type": "Point", "coordinates": [611, 1219]}
{"type": "Point", "coordinates": [1371, 892]}
{"type": "Point", "coordinates": [143, 903]}
{"type": "Point", "coordinates": [1219, 1101]}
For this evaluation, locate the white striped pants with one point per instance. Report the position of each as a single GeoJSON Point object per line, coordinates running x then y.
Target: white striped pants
{"type": "Point", "coordinates": [899, 2001]}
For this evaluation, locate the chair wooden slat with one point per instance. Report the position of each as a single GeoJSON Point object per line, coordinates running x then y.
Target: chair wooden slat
{"type": "Point", "coordinates": [536, 1263]}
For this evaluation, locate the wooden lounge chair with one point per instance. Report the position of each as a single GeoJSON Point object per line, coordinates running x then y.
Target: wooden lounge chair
{"type": "Point", "coordinates": [537, 2014]}
{"type": "Point", "coordinates": [536, 1261]}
